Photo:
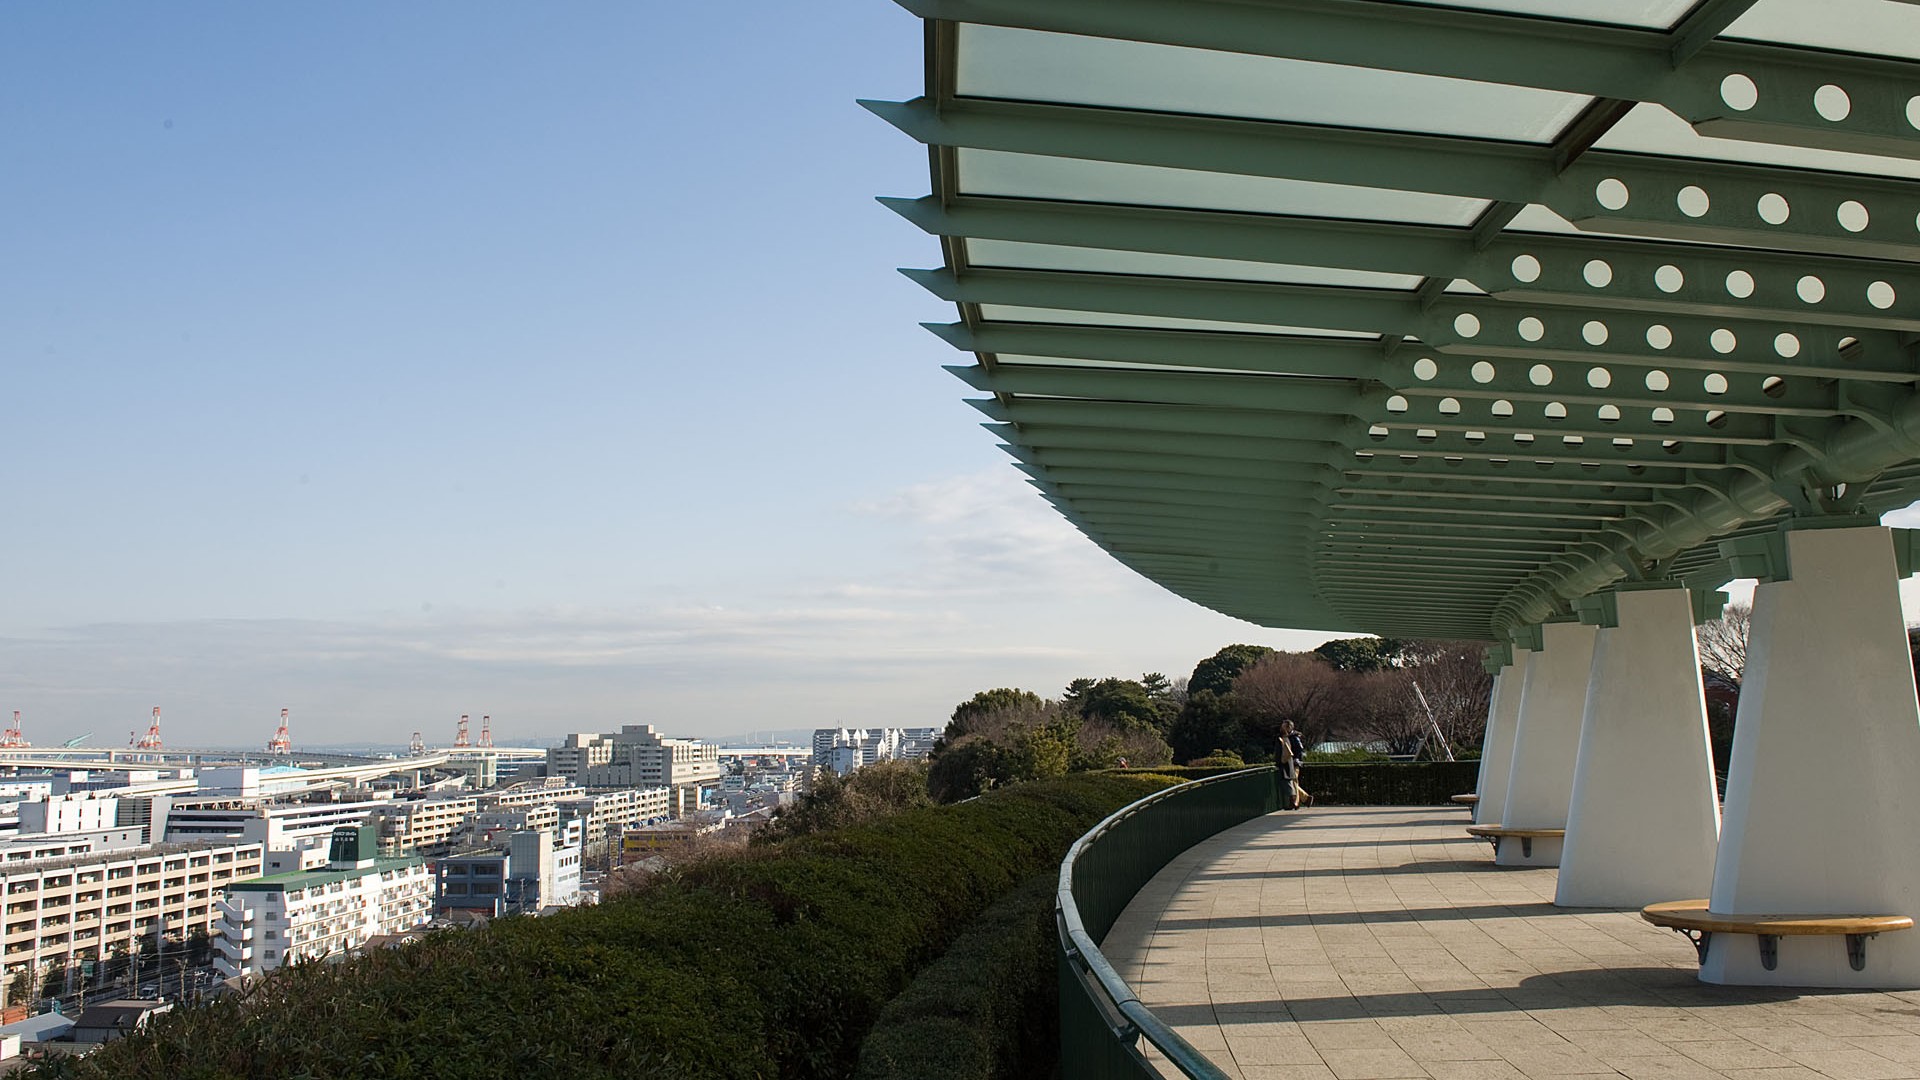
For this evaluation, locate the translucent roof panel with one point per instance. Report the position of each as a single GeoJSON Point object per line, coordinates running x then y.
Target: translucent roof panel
{"type": "Point", "coordinates": [1004, 253]}
{"type": "Point", "coordinates": [1882, 27]}
{"type": "Point", "coordinates": [1011, 313]}
{"type": "Point", "coordinates": [1032, 176]}
{"type": "Point", "coordinates": [1652, 129]}
{"type": "Point", "coordinates": [1657, 14]}
{"type": "Point", "coordinates": [1032, 65]}
{"type": "Point", "coordinates": [1278, 368]}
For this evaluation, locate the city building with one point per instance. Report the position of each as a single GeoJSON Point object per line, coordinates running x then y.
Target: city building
{"type": "Point", "coordinates": [845, 749]}
{"type": "Point", "coordinates": [272, 821]}
{"type": "Point", "coordinates": [536, 870]}
{"type": "Point", "coordinates": [605, 813]}
{"type": "Point", "coordinates": [116, 1019]}
{"type": "Point", "coordinates": [267, 922]}
{"type": "Point", "coordinates": [74, 812]}
{"type": "Point", "coordinates": [424, 826]}
{"type": "Point", "coordinates": [638, 757]}
{"type": "Point", "coordinates": [83, 907]}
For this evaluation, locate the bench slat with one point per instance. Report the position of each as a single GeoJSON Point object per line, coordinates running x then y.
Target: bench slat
{"type": "Point", "coordinates": [1496, 831]}
{"type": "Point", "coordinates": [1693, 915]}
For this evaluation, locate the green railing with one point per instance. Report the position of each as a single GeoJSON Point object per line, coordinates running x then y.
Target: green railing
{"type": "Point", "coordinates": [1102, 1022]}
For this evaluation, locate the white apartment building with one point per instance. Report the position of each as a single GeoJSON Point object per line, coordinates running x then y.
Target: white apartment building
{"type": "Point", "coordinates": [274, 822]}
{"type": "Point", "coordinates": [18, 849]}
{"type": "Point", "coordinates": [80, 811]}
{"type": "Point", "coordinates": [609, 811]}
{"type": "Point", "coordinates": [846, 749]}
{"type": "Point", "coordinates": [529, 793]}
{"type": "Point", "coordinates": [423, 826]}
{"type": "Point", "coordinates": [637, 756]}
{"type": "Point", "coordinates": [267, 922]}
{"type": "Point", "coordinates": [89, 906]}
{"type": "Point", "coordinates": [538, 869]}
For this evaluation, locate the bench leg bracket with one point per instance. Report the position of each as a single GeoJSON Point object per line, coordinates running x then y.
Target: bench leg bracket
{"type": "Point", "coordinates": [1526, 847]}
{"type": "Point", "coordinates": [1700, 938]}
{"type": "Point", "coordinates": [1857, 950]}
{"type": "Point", "coordinates": [1769, 950]}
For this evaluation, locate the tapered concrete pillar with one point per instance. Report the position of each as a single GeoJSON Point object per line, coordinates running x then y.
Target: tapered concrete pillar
{"type": "Point", "coordinates": [1486, 736]}
{"type": "Point", "coordinates": [1645, 816]}
{"type": "Point", "coordinates": [1823, 806]}
{"type": "Point", "coordinates": [1546, 742]}
{"type": "Point", "coordinates": [1496, 753]}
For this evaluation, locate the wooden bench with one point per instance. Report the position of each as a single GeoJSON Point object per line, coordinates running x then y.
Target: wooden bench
{"type": "Point", "coordinates": [1692, 919]}
{"type": "Point", "coordinates": [1497, 833]}
{"type": "Point", "coordinates": [1466, 800]}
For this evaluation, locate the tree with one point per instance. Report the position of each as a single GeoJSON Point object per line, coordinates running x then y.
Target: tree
{"type": "Point", "coordinates": [967, 768]}
{"type": "Point", "coordinates": [1217, 672]}
{"type": "Point", "coordinates": [1286, 686]}
{"type": "Point", "coordinates": [985, 703]}
{"type": "Point", "coordinates": [1723, 641]}
{"type": "Point", "coordinates": [876, 790]}
{"type": "Point", "coordinates": [1122, 702]}
{"type": "Point", "coordinates": [1208, 722]}
{"type": "Point", "coordinates": [1454, 679]}
{"type": "Point", "coordinates": [1361, 654]}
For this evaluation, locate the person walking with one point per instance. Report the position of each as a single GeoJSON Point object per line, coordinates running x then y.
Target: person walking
{"type": "Point", "coordinates": [1293, 755]}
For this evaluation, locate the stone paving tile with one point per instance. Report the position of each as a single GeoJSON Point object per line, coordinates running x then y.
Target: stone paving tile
{"type": "Point", "coordinates": [1381, 943]}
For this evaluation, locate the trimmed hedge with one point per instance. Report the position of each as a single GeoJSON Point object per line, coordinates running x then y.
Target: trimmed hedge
{"type": "Point", "coordinates": [772, 964]}
{"type": "Point", "coordinates": [987, 1009]}
{"type": "Point", "coordinates": [1411, 783]}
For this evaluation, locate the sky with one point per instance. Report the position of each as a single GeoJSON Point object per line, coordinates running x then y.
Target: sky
{"type": "Point", "coordinates": [389, 362]}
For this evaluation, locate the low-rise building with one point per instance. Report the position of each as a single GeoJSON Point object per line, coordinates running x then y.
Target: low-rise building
{"type": "Point", "coordinates": [116, 1019]}
{"type": "Point", "coordinates": [536, 869]}
{"type": "Point", "coordinates": [267, 922]}
{"type": "Point", "coordinates": [607, 812]}
{"type": "Point", "coordinates": [271, 821]}
{"type": "Point", "coordinates": [424, 826]}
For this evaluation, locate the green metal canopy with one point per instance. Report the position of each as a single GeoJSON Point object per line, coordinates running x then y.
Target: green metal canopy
{"type": "Point", "coordinates": [1428, 319]}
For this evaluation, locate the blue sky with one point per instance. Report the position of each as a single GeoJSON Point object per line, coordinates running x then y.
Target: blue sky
{"type": "Point", "coordinates": [393, 361]}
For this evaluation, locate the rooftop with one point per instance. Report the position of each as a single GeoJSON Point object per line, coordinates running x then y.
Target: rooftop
{"type": "Point", "coordinates": [306, 879]}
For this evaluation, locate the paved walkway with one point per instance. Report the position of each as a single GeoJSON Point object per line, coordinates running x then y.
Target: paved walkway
{"type": "Point", "coordinates": [1363, 943]}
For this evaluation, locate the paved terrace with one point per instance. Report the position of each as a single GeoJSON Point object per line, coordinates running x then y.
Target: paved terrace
{"type": "Point", "coordinates": [1362, 943]}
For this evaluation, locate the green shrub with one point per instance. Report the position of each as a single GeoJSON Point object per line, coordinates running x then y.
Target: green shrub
{"type": "Point", "coordinates": [770, 964]}
{"type": "Point", "coordinates": [1183, 772]}
{"type": "Point", "coordinates": [1412, 783]}
{"type": "Point", "coordinates": [988, 1008]}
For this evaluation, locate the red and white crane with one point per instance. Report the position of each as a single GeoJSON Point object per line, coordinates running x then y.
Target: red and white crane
{"type": "Point", "coordinates": [281, 743]}
{"type": "Point", "coordinates": [151, 740]}
{"type": "Point", "coordinates": [486, 732]}
{"type": "Point", "coordinates": [13, 740]}
{"type": "Point", "coordinates": [460, 740]}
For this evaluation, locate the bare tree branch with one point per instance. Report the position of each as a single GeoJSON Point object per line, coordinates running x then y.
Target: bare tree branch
{"type": "Point", "coordinates": [1723, 641]}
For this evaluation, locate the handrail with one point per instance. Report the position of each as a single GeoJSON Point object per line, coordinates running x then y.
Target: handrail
{"type": "Point", "coordinates": [1244, 795]}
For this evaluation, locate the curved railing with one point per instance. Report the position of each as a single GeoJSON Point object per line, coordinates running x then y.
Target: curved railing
{"type": "Point", "coordinates": [1102, 1022]}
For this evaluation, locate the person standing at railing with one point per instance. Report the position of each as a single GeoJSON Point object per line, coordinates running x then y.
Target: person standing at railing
{"type": "Point", "coordinates": [1293, 754]}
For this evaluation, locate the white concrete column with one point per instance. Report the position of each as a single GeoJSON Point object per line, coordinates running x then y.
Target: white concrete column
{"type": "Point", "coordinates": [1645, 816]}
{"type": "Point", "coordinates": [1546, 742]}
{"type": "Point", "coordinates": [1823, 805]}
{"type": "Point", "coordinates": [1486, 740]}
{"type": "Point", "coordinates": [1496, 753]}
